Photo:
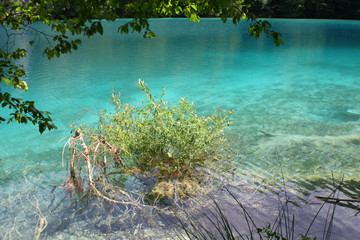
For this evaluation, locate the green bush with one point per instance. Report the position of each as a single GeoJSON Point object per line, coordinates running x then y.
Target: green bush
{"type": "Point", "coordinates": [168, 142]}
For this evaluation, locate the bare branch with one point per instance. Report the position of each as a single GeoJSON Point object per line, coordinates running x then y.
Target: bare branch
{"type": "Point", "coordinates": [90, 155]}
{"type": "Point", "coordinates": [334, 199]}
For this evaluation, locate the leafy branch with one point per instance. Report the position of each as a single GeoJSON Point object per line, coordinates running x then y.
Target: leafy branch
{"type": "Point", "coordinates": [24, 112]}
{"type": "Point", "coordinates": [83, 17]}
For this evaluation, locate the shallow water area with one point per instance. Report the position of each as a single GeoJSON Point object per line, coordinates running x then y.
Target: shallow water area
{"type": "Point", "coordinates": [296, 121]}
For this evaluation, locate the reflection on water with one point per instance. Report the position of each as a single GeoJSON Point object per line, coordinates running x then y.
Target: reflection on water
{"type": "Point", "coordinates": [296, 121]}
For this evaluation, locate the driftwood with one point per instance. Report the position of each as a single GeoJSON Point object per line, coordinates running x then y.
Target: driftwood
{"type": "Point", "coordinates": [333, 199]}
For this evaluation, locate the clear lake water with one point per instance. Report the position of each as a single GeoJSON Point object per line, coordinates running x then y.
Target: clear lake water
{"type": "Point", "coordinates": [296, 121]}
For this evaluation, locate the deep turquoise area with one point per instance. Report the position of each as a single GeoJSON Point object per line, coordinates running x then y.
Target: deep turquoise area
{"type": "Point", "coordinates": [305, 97]}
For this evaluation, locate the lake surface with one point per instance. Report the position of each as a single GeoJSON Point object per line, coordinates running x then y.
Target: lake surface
{"type": "Point", "coordinates": [296, 121]}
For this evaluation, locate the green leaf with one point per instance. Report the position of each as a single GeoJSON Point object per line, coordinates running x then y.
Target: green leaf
{"type": "Point", "coordinates": [42, 127]}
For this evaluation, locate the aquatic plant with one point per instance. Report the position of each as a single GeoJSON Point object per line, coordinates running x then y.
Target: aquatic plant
{"type": "Point", "coordinates": [158, 143]}
{"type": "Point", "coordinates": [173, 140]}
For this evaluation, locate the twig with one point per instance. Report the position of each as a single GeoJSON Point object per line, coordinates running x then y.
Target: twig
{"type": "Point", "coordinates": [337, 199]}
{"type": "Point", "coordinates": [86, 153]}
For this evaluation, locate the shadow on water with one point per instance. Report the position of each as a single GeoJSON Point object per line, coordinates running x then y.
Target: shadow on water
{"type": "Point", "coordinates": [278, 208]}
{"type": "Point", "coordinates": [37, 210]}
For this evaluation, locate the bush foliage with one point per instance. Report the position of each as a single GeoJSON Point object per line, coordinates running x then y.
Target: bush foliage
{"type": "Point", "coordinates": [168, 142]}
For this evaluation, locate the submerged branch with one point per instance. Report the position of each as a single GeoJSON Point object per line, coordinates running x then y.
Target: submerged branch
{"type": "Point", "coordinates": [89, 154]}
{"type": "Point", "coordinates": [337, 199]}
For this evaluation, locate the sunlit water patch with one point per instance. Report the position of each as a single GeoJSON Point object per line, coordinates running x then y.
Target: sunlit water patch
{"type": "Point", "coordinates": [296, 115]}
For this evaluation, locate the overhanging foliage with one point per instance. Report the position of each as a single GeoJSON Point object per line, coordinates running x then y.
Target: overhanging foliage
{"type": "Point", "coordinates": [83, 17]}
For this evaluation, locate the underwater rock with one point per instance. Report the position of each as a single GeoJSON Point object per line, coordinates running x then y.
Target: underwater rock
{"type": "Point", "coordinates": [349, 115]}
{"type": "Point", "coordinates": [308, 155]}
{"type": "Point", "coordinates": [337, 114]}
{"type": "Point", "coordinates": [354, 111]}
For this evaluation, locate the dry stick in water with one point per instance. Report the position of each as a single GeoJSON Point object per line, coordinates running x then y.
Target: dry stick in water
{"type": "Point", "coordinates": [337, 199]}
{"type": "Point", "coordinates": [86, 154]}
{"type": "Point", "coordinates": [72, 159]}
{"type": "Point", "coordinates": [90, 172]}
{"type": "Point", "coordinates": [113, 151]}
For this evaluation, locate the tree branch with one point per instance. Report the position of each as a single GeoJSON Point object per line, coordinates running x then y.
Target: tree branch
{"type": "Point", "coordinates": [323, 198]}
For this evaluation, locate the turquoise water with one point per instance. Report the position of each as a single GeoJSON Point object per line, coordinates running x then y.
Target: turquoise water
{"type": "Point", "coordinates": [305, 95]}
